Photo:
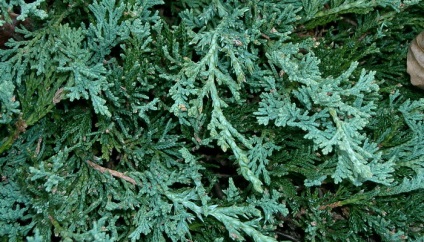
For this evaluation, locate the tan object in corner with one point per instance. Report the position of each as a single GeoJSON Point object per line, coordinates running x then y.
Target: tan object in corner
{"type": "Point", "coordinates": [415, 61]}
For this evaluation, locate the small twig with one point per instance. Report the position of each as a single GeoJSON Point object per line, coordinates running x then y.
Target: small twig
{"type": "Point", "coordinates": [350, 21]}
{"type": "Point", "coordinates": [288, 236]}
{"type": "Point", "coordinates": [112, 172]}
{"type": "Point", "coordinates": [58, 96]}
{"type": "Point", "coordinates": [218, 190]}
{"type": "Point", "coordinates": [37, 150]}
{"type": "Point", "coordinates": [265, 36]}
{"type": "Point", "coordinates": [331, 205]}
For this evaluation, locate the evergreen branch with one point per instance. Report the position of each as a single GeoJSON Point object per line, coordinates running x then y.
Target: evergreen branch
{"type": "Point", "coordinates": [363, 4]}
{"type": "Point", "coordinates": [318, 149]}
{"type": "Point", "coordinates": [232, 223]}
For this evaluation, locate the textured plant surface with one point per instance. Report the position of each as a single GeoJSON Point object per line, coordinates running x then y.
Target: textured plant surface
{"type": "Point", "coordinates": [200, 120]}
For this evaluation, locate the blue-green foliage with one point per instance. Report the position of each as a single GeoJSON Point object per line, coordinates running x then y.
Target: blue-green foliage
{"type": "Point", "coordinates": [332, 111]}
{"type": "Point", "coordinates": [219, 120]}
{"type": "Point", "coordinates": [26, 9]}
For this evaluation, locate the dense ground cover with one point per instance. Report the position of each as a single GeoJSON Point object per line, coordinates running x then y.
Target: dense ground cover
{"type": "Point", "coordinates": [145, 120]}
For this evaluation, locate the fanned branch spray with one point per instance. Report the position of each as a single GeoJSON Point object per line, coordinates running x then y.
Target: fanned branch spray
{"type": "Point", "coordinates": [223, 120]}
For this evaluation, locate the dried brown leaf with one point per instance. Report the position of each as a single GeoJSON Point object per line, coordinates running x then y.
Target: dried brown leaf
{"type": "Point", "coordinates": [415, 61]}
